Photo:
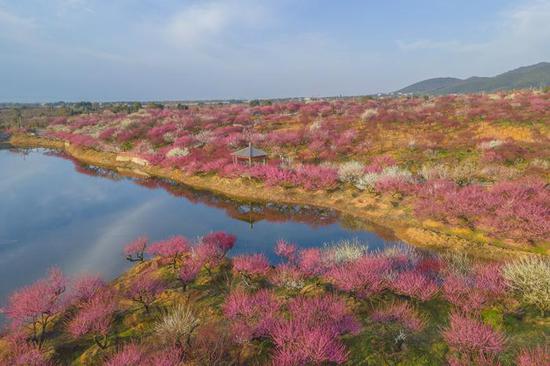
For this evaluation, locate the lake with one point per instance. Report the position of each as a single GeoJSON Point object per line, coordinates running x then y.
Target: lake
{"type": "Point", "coordinates": [55, 211]}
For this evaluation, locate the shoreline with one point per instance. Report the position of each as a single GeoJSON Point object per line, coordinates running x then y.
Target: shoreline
{"type": "Point", "coordinates": [363, 209]}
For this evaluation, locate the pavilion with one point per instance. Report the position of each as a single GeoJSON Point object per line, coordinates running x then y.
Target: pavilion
{"type": "Point", "coordinates": [250, 154]}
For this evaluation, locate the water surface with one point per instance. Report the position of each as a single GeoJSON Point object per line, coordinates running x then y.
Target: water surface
{"type": "Point", "coordinates": [54, 211]}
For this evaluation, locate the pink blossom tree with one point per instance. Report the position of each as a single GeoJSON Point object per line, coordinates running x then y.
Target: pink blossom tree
{"type": "Point", "coordinates": [364, 277]}
{"type": "Point", "coordinates": [134, 250]}
{"type": "Point", "coordinates": [35, 305]}
{"type": "Point", "coordinates": [19, 352]}
{"type": "Point", "coordinates": [86, 287]}
{"type": "Point", "coordinates": [144, 289]}
{"type": "Point", "coordinates": [400, 313]}
{"type": "Point", "coordinates": [95, 318]}
{"type": "Point", "coordinates": [172, 249]}
{"type": "Point", "coordinates": [310, 334]}
{"type": "Point", "coordinates": [189, 271]}
{"type": "Point", "coordinates": [221, 240]}
{"type": "Point", "coordinates": [537, 356]}
{"type": "Point", "coordinates": [471, 339]}
{"type": "Point", "coordinates": [253, 265]}
{"type": "Point", "coordinates": [286, 250]}
{"type": "Point", "coordinates": [252, 315]}
{"type": "Point", "coordinates": [415, 285]}
{"type": "Point", "coordinates": [131, 354]}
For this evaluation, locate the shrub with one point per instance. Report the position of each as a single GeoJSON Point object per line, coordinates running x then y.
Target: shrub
{"type": "Point", "coordinates": [344, 251]}
{"type": "Point", "coordinates": [529, 277]}
{"type": "Point", "coordinates": [177, 325]}
{"type": "Point", "coordinates": [350, 172]}
{"type": "Point", "coordinates": [288, 276]}
{"type": "Point", "coordinates": [135, 249]}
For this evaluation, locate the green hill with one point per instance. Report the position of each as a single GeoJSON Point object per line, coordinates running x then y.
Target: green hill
{"type": "Point", "coordinates": [533, 76]}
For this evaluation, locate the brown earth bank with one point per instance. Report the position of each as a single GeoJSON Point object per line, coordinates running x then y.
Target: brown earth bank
{"type": "Point", "coordinates": [362, 210]}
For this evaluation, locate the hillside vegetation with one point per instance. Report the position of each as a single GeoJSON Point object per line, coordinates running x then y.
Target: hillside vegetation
{"type": "Point", "coordinates": [191, 305]}
{"type": "Point", "coordinates": [476, 164]}
{"type": "Point", "coordinates": [534, 76]}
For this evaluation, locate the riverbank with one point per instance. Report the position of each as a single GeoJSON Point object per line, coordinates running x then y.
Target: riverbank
{"type": "Point", "coordinates": [4, 141]}
{"type": "Point", "coordinates": [360, 208]}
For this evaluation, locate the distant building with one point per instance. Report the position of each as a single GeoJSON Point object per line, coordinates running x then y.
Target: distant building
{"type": "Point", "coordinates": [250, 154]}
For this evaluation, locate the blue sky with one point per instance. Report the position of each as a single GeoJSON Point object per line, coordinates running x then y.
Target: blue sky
{"type": "Point", "coordinates": [166, 50]}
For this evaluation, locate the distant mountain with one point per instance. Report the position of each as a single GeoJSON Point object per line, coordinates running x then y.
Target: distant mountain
{"type": "Point", "coordinates": [533, 76]}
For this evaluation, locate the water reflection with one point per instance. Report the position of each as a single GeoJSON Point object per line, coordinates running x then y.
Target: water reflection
{"type": "Point", "coordinates": [58, 212]}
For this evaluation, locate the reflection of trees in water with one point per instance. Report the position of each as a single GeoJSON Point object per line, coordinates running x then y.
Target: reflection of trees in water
{"type": "Point", "coordinates": [91, 170]}
{"type": "Point", "coordinates": [356, 224]}
{"type": "Point", "coordinates": [250, 212]}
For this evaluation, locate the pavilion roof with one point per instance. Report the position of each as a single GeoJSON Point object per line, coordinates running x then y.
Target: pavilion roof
{"type": "Point", "coordinates": [250, 152]}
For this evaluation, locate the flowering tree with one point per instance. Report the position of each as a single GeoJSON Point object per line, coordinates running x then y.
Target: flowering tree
{"type": "Point", "coordinates": [364, 277]}
{"type": "Point", "coordinates": [171, 249]}
{"type": "Point", "coordinates": [286, 250]}
{"type": "Point", "coordinates": [538, 356]}
{"type": "Point", "coordinates": [310, 335]}
{"type": "Point", "coordinates": [221, 240]}
{"type": "Point", "coordinates": [144, 289]}
{"type": "Point", "coordinates": [95, 318]}
{"type": "Point", "coordinates": [213, 248]}
{"type": "Point", "coordinates": [22, 353]}
{"type": "Point", "coordinates": [253, 265]}
{"type": "Point", "coordinates": [415, 285]}
{"type": "Point", "coordinates": [134, 250]}
{"type": "Point", "coordinates": [471, 340]}
{"type": "Point", "coordinates": [189, 271]}
{"type": "Point", "coordinates": [252, 315]}
{"type": "Point", "coordinates": [35, 305]}
{"type": "Point", "coordinates": [131, 354]}
{"type": "Point", "coordinates": [401, 313]}
{"type": "Point", "coordinates": [87, 287]}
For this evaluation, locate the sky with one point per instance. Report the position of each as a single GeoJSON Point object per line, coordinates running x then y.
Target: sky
{"type": "Point", "coordinates": [112, 50]}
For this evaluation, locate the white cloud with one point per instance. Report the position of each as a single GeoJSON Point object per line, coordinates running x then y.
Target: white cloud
{"type": "Point", "coordinates": [203, 22]}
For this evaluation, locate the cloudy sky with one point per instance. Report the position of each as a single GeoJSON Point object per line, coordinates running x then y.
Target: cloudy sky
{"type": "Point", "coordinates": [171, 50]}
